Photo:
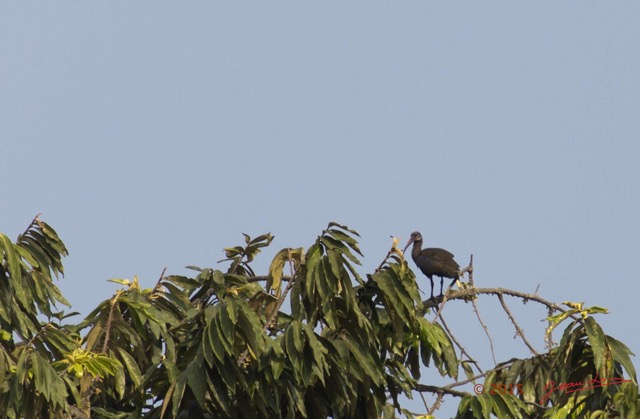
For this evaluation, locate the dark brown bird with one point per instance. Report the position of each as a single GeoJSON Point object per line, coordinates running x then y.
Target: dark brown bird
{"type": "Point", "coordinates": [433, 261]}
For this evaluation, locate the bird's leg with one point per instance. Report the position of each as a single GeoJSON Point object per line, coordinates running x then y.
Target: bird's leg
{"type": "Point", "coordinates": [453, 282]}
{"type": "Point", "coordinates": [441, 284]}
{"type": "Point", "coordinates": [431, 279]}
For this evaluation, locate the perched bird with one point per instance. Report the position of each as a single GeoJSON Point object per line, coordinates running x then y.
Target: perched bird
{"type": "Point", "coordinates": [433, 261]}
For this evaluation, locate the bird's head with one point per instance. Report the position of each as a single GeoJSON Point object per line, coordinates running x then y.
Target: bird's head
{"type": "Point", "coordinates": [415, 236]}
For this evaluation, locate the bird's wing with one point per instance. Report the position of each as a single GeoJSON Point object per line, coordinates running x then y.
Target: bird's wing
{"type": "Point", "coordinates": [442, 261]}
{"type": "Point", "coordinates": [437, 253]}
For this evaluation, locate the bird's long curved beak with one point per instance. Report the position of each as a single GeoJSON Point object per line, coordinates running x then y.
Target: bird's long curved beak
{"type": "Point", "coordinates": [408, 244]}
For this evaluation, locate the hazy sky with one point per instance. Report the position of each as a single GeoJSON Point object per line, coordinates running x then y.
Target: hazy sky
{"type": "Point", "coordinates": [153, 134]}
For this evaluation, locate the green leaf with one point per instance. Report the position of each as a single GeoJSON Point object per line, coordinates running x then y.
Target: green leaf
{"type": "Point", "coordinates": [131, 365]}
{"type": "Point", "coordinates": [53, 236]}
{"type": "Point", "coordinates": [197, 379]}
{"type": "Point", "coordinates": [262, 240]}
{"type": "Point", "coordinates": [296, 333]}
{"type": "Point", "coordinates": [319, 351]}
{"type": "Point", "coordinates": [601, 352]}
{"type": "Point", "coordinates": [621, 354]}
{"type": "Point", "coordinates": [597, 310]}
{"type": "Point", "coordinates": [500, 408]}
{"type": "Point", "coordinates": [466, 367]}
{"type": "Point", "coordinates": [13, 262]}
{"type": "Point", "coordinates": [529, 392]}
{"type": "Point", "coordinates": [125, 282]}
{"type": "Point", "coordinates": [232, 313]}
{"type": "Point", "coordinates": [277, 362]}
{"type": "Point", "coordinates": [363, 358]}
{"type": "Point", "coordinates": [351, 242]}
{"type": "Point", "coordinates": [394, 303]}
{"type": "Point", "coordinates": [218, 277]}
{"type": "Point", "coordinates": [332, 244]}
{"type": "Point", "coordinates": [25, 254]}
{"type": "Point", "coordinates": [249, 326]}
{"type": "Point", "coordinates": [342, 227]}
{"type": "Point", "coordinates": [215, 342]}
{"type": "Point", "coordinates": [58, 339]}
{"type": "Point", "coordinates": [413, 359]}
{"type": "Point", "coordinates": [178, 393]}
{"type": "Point", "coordinates": [335, 263]}
{"type": "Point", "coordinates": [275, 271]}
{"type": "Point", "coordinates": [293, 353]}
{"type": "Point", "coordinates": [47, 380]}
{"type": "Point", "coordinates": [558, 318]}
{"type": "Point", "coordinates": [486, 403]}
{"type": "Point", "coordinates": [226, 330]}
{"type": "Point", "coordinates": [120, 382]}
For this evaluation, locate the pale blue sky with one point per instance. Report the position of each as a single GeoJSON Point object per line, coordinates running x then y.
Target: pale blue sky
{"type": "Point", "coordinates": [153, 134]}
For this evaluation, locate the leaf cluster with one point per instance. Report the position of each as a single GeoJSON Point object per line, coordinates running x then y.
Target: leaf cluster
{"type": "Point", "coordinates": [584, 376]}
{"type": "Point", "coordinates": [312, 338]}
{"type": "Point", "coordinates": [39, 374]}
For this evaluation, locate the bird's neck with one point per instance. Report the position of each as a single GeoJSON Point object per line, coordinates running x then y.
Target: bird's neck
{"type": "Point", "coordinates": [417, 247]}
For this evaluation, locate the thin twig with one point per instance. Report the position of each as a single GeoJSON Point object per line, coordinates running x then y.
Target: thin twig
{"type": "Point", "coordinates": [436, 404]}
{"type": "Point", "coordinates": [389, 253]}
{"type": "Point", "coordinates": [440, 308]}
{"type": "Point", "coordinates": [486, 330]}
{"type": "Point", "coordinates": [515, 324]}
{"type": "Point", "coordinates": [157, 287]}
{"type": "Point", "coordinates": [469, 270]}
{"type": "Point", "coordinates": [449, 387]}
{"type": "Point", "coordinates": [462, 350]}
{"type": "Point", "coordinates": [394, 249]}
{"type": "Point", "coordinates": [424, 401]}
{"type": "Point", "coordinates": [107, 335]}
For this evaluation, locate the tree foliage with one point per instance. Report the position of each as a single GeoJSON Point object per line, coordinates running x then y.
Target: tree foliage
{"type": "Point", "coordinates": [310, 338]}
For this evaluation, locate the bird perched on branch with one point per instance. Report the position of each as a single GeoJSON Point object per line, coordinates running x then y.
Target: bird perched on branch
{"type": "Point", "coordinates": [433, 261]}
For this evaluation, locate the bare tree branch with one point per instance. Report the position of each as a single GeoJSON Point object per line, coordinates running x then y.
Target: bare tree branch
{"type": "Point", "coordinates": [448, 389]}
{"type": "Point", "coordinates": [436, 404]}
{"type": "Point", "coordinates": [257, 278]}
{"type": "Point", "coordinates": [470, 292]}
{"type": "Point", "coordinates": [438, 390]}
{"type": "Point", "coordinates": [515, 324]}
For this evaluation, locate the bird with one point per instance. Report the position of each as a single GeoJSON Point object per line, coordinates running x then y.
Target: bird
{"type": "Point", "coordinates": [433, 261]}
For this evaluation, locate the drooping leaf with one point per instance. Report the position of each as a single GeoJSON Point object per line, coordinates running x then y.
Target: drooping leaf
{"type": "Point", "coordinates": [601, 353]}
{"type": "Point", "coordinates": [131, 365]}
{"type": "Point", "coordinates": [621, 354]}
{"type": "Point", "coordinates": [11, 257]}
